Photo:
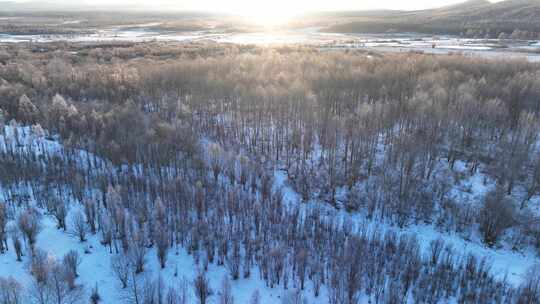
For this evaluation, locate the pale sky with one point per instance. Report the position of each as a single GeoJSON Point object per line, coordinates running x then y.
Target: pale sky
{"type": "Point", "coordinates": [265, 12]}
{"type": "Point", "coordinates": [246, 6]}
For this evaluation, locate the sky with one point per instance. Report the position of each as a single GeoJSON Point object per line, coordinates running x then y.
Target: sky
{"type": "Point", "coordinates": [264, 12]}
{"type": "Point", "coordinates": [247, 6]}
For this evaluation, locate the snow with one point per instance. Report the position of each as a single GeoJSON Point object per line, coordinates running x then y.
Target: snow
{"type": "Point", "coordinates": [472, 188]}
{"type": "Point", "coordinates": [95, 266]}
{"type": "Point", "coordinates": [23, 140]}
{"type": "Point", "coordinates": [72, 22]}
{"type": "Point", "coordinates": [506, 263]}
{"type": "Point", "coordinates": [404, 42]}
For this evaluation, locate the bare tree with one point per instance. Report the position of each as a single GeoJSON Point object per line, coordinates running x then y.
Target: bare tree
{"type": "Point", "coordinates": [529, 292]}
{"type": "Point", "coordinates": [90, 211]}
{"type": "Point", "coordinates": [179, 294]}
{"type": "Point", "coordinates": [141, 290]}
{"type": "Point", "coordinates": [496, 215]}
{"type": "Point", "coordinates": [80, 228]}
{"type": "Point", "coordinates": [293, 297]}
{"type": "Point", "coordinates": [57, 287]}
{"type": "Point", "coordinates": [161, 234]}
{"type": "Point", "coordinates": [216, 155]}
{"type": "Point", "coordinates": [62, 285]}
{"type": "Point", "coordinates": [106, 232]}
{"type": "Point", "coordinates": [121, 268]}
{"type": "Point", "coordinates": [436, 247]}
{"type": "Point", "coordinates": [11, 291]}
{"type": "Point", "coordinates": [233, 261]}
{"type": "Point", "coordinates": [71, 261]}
{"type": "Point", "coordinates": [95, 297]}
{"type": "Point", "coordinates": [40, 265]}
{"type": "Point", "coordinates": [533, 185]}
{"type": "Point", "coordinates": [39, 293]}
{"type": "Point", "coordinates": [3, 231]}
{"type": "Point", "coordinates": [59, 211]}
{"type": "Point", "coordinates": [301, 267]}
{"type": "Point", "coordinates": [225, 294]}
{"type": "Point", "coordinates": [183, 291]}
{"type": "Point", "coordinates": [137, 252]}
{"type": "Point", "coordinates": [203, 291]}
{"type": "Point", "coordinates": [18, 248]}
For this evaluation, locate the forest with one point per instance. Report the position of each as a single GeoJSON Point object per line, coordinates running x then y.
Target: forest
{"type": "Point", "coordinates": [169, 146]}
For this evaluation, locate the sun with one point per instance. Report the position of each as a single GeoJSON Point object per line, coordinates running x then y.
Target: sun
{"type": "Point", "coordinates": [268, 13]}
{"type": "Point", "coordinates": [268, 19]}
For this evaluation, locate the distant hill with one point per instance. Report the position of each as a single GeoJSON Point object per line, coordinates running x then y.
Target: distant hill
{"type": "Point", "coordinates": [479, 18]}
{"type": "Point", "coordinates": [464, 6]}
{"type": "Point", "coordinates": [70, 6]}
{"type": "Point", "coordinates": [12, 6]}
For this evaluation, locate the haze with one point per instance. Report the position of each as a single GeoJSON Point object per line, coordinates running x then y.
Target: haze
{"type": "Point", "coordinates": [268, 13]}
{"type": "Point", "coordinates": [247, 6]}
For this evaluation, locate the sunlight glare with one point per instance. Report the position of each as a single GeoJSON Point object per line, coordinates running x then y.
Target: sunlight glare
{"type": "Point", "coordinates": [267, 13]}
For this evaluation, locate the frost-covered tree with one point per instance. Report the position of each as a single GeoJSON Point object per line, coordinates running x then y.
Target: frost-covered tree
{"type": "Point", "coordinates": [27, 110]}
{"type": "Point", "coordinates": [30, 226]}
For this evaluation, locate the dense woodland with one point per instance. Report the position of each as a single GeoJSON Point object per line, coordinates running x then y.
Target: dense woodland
{"type": "Point", "coordinates": [184, 140]}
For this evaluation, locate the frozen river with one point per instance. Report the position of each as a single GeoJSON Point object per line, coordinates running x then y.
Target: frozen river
{"type": "Point", "coordinates": [311, 36]}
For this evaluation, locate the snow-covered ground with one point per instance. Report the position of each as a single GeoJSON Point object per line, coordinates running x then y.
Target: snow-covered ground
{"type": "Point", "coordinates": [95, 267]}
{"type": "Point", "coordinates": [506, 263]}
{"type": "Point", "coordinates": [311, 36]}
